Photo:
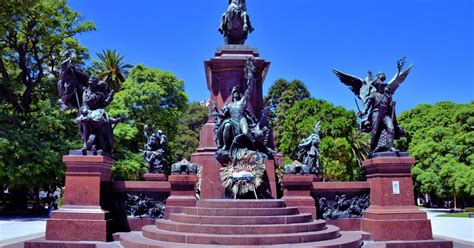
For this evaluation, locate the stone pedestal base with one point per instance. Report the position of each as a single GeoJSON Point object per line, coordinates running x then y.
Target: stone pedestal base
{"type": "Point", "coordinates": [73, 223]}
{"type": "Point", "coordinates": [297, 192]}
{"type": "Point", "coordinates": [81, 217]}
{"type": "Point", "coordinates": [154, 177]}
{"type": "Point", "coordinates": [211, 185]}
{"type": "Point", "coordinates": [392, 214]}
{"type": "Point", "coordinates": [183, 190]}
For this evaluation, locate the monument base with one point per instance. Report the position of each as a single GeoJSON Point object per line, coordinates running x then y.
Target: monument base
{"type": "Point", "coordinates": [183, 190]}
{"type": "Point", "coordinates": [392, 214]}
{"type": "Point", "coordinates": [75, 223]}
{"type": "Point", "coordinates": [81, 218]}
{"type": "Point", "coordinates": [154, 177]}
{"type": "Point", "coordinates": [297, 192]}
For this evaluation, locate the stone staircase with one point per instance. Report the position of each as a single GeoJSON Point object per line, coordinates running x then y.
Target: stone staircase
{"type": "Point", "coordinates": [262, 223]}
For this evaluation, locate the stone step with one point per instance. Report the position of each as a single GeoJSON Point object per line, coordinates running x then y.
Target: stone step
{"type": "Point", "coordinates": [136, 240]}
{"type": "Point", "coordinates": [226, 203]}
{"type": "Point", "coordinates": [240, 220]}
{"type": "Point", "coordinates": [241, 211]}
{"type": "Point", "coordinates": [315, 225]}
{"type": "Point", "coordinates": [151, 232]}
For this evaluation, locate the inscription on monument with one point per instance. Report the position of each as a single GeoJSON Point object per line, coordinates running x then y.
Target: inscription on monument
{"type": "Point", "coordinates": [396, 187]}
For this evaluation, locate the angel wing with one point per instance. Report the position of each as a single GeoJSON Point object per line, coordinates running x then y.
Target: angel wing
{"type": "Point", "coordinates": [397, 80]}
{"type": "Point", "coordinates": [317, 127]}
{"type": "Point", "coordinates": [361, 88]}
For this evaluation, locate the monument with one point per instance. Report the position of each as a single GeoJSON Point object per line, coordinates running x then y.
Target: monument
{"type": "Point", "coordinates": [89, 96]}
{"type": "Point", "coordinates": [234, 78]}
{"type": "Point", "coordinates": [154, 154]}
{"type": "Point", "coordinates": [237, 145]}
{"type": "Point", "coordinates": [392, 214]}
{"type": "Point", "coordinates": [378, 103]}
{"type": "Point", "coordinates": [88, 169]}
{"type": "Point", "coordinates": [308, 152]}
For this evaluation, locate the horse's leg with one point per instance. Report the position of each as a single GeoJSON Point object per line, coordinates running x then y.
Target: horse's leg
{"type": "Point", "coordinates": [110, 138]}
{"type": "Point", "coordinates": [221, 28]}
{"type": "Point", "coordinates": [245, 27]}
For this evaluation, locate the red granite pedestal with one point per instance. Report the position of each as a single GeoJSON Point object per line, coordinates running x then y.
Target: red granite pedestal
{"type": "Point", "coordinates": [81, 217]}
{"type": "Point", "coordinates": [154, 177]}
{"type": "Point", "coordinates": [297, 192]}
{"type": "Point", "coordinates": [392, 214]}
{"type": "Point", "coordinates": [223, 71]}
{"type": "Point", "coordinates": [183, 190]}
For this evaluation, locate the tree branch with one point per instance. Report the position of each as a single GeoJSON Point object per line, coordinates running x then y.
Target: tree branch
{"type": "Point", "coordinates": [6, 91]}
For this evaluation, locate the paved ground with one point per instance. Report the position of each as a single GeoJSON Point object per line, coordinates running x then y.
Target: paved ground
{"type": "Point", "coordinates": [14, 230]}
{"type": "Point", "coordinates": [460, 230]}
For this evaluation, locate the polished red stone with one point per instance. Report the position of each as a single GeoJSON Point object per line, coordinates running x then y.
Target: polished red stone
{"type": "Point", "coordinates": [81, 217]}
{"type": "Point", "coordinates": [154, 177]}
{"type": "Point", "coordinates": [224, 71]}
{"type": "Point", "coordinates": [346, 187]}
{"type": "Point", "coordinates": [297, 192]}
{"type": "Point", "coordinates": [227, 69]}
{"type": "Point", "coordinates": [392, 215]}
{"type": "Point", "coordinates": [259, 223]}
{"type": "Point", "coordinates": [183, 190]}
{"type": "Point", "coordinates": [141, 186]}
{"type": "Point", "coordinates": [346, 224]}
{"type": "Point", "coordinates": [211, 185]}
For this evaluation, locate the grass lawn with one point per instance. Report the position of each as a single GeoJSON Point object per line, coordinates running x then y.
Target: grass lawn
{"type": "Point", "coordinates": [459, 214]}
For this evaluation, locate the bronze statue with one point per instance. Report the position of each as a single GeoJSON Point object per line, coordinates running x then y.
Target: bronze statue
{"type": "Point", "coordinates": [377, 98]}
{"type": "Point", "coordinates": [236, 127]}
{"type": "Point", "coordinates": [235, 23]}
{"type": "Point", "coordinates": [155, 151]}
{"type": "Point", "coordinates": [72, 83]}
{"type": "Point", "coordinates": [79, 91]}
{"type": "Point", "coordinates": [94, 122]}
{"type": "Point", "coordinates": [309, 151]}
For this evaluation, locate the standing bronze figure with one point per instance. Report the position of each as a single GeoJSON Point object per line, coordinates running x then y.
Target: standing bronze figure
{"type": "Point", "coordinates": [155, 151]}
{"type": "Point", "coordinates": [308, 151]}
{"type": "Point", "coordinates": [379, 105]}
{"type": "Point", "coordinates": [235, 23]}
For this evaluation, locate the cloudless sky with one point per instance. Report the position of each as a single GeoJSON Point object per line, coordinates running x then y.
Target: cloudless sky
{"type": "Point", "coordinates": [303, 39]}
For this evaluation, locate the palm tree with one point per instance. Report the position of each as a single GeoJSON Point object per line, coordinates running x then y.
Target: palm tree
{"type": "Point", "coordinates": [360, 146]}
{"type": "Point", "coordinates": [111, 68]}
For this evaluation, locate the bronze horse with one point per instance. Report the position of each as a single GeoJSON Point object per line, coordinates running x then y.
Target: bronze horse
{"type": "Point", "coordinates": [235, 23]}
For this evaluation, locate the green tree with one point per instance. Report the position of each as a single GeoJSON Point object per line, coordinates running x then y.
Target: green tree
{"type": "Point", "coordinates": [111, 68]}
{"type": "Point", "coordinates": [441, 138]}
{"type": "Point", "coordinates": [187, 138]}
{"type": "Point", "coordinates": [32, 35]}
{"type": "Point", "coordinates": [337, 127]}
{"type": "Point", "coordinates": [282, 95]}
{"type": "Point", "coordinates": [34, 134]}
{"type": "Point", "coordinates": [148, 97]}
{"type": "Point", "coordinates": [360, 146]}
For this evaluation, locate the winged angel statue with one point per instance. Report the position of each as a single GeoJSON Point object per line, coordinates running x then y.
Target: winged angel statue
{"type": "Point", "coordinates": [376, 96]}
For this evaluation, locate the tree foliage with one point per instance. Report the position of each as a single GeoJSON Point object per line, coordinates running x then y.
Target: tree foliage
{"type": "Point", "coordinates": [111, 68]}
{"type": "Point", "coordinates": [337, 128]}
{"type": "Point", "coordinates": [32, 35]}
{"type": "Point", "coordinates": [34, 134]}
{"type": "Point", "coordinates": [282, 95]}
{"type": "Point", "coordinates": [148, 97]}
{"type": "Point", "coordinates": [187, 138]}
{"type": "Point", "coordinates": [441, 138]}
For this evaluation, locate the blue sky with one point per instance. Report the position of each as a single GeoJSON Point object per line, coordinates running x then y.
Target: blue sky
{"type": "Point", "coordinates": [303, 39]}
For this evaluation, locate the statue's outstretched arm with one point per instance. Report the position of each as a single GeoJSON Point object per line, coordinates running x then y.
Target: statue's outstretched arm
{"type": "Point", "coordinates": [248, 91]}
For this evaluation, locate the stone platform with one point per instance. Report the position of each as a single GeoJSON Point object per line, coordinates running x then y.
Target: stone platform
{"type": "Point", "coordinates": [240, 223]}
